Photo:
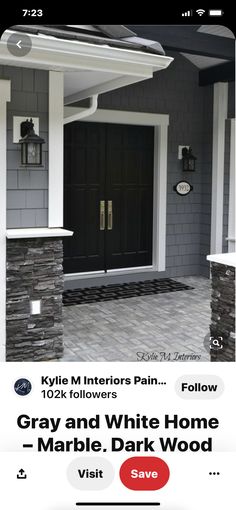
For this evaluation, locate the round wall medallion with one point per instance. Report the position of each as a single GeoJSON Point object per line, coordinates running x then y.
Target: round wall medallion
{"type": "Point", "coordinates": [183, 188]}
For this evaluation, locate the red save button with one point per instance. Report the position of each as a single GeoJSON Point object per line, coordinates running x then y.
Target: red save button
{"type": "Point", "coordinates": [144, 473]}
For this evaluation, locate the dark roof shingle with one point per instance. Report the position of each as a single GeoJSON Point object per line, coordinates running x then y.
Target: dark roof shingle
{"type": "Point", "coordinates": [125, 38]}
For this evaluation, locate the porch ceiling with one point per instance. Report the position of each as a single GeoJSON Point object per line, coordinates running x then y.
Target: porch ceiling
{"type": "Point", "coordinates": [211, 48]}
{"type": "Point", "coordinates": [79, 85]}
{"type": "Point", "coordinates": [79, 80]}
{"type": "Point", "coordinates": [207, 40]}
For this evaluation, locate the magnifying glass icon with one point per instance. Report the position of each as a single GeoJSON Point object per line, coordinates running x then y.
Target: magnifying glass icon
{"type": "Point", "coordinates": [216, 344]}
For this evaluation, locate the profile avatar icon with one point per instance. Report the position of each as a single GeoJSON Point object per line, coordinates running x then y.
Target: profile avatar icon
{"type": "Point", "coordinates": [22, 387]}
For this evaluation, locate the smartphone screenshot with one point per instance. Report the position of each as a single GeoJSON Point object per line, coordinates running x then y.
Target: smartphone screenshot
{"type": "Point", "coordinates": [117, 260]}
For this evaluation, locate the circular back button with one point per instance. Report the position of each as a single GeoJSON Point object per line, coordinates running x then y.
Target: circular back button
{"type": "Point", "coordinates": [19, 44]}
{"type": "Point", "coordinates": [144, 473]}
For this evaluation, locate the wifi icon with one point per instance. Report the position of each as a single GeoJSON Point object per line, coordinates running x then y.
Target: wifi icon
{"type": "Point", "coordinates": [200, 12]}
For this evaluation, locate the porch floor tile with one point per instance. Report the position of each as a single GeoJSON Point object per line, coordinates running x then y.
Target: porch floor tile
{"type": "Point", "coordinates": [162, 327]}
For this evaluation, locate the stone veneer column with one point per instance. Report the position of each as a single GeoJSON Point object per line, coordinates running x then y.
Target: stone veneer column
{"type": "Point", "coordinates": [223, 310]}
{"type": "Point", "coordinates": [34, 271]}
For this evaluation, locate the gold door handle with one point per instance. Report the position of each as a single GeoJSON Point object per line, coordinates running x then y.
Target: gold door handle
{"type": "Point", "coordinates": [102, 214]}
{"type": "Point", "coordinates": [109, 215]}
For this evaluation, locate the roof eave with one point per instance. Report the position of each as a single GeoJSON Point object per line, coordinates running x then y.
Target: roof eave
{"type": "Point", "coordinates": [53, 53]}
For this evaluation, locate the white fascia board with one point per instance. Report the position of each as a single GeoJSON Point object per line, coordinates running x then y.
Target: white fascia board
{"type": "Point", "coordinates": [56, 54]}
{"type": "Point", "coordinates": [121, 117]}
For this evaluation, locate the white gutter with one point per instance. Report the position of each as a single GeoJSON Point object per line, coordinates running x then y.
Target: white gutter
{"type": "Point", "coordinates": [65, 55]}
{"type": "Point", "coordinates": [85, 113]}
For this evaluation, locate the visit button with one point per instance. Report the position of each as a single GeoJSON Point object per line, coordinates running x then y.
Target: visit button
{"type": "Point", "coordinates": [144, 473]}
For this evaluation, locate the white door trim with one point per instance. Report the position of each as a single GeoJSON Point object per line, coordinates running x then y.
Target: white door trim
{"type": "Point", "coordinates": [5, 96]}
{"type": "Point", "coordinates": [160, 197]}
{"type": "Point", "coordinates": [121, 117]}
{"type": "Point", "coordinates": [160, 123]}
{"type": "Point", "coordinates": [231, 218]}
{"type": "Point", "coordinates": [220, 108]}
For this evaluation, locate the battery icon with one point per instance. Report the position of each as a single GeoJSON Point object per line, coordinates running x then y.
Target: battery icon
{"type": "Point", "coordinates": [215, 12]}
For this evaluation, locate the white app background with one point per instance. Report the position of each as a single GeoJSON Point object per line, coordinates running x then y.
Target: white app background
{"type": "Point", "coordinates": [48, 487]}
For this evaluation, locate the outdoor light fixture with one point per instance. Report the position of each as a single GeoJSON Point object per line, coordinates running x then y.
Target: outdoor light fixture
{"type": "Point", "coordinates": [188, 160]}
{"type": "Point", "coordinates": [31, 145]}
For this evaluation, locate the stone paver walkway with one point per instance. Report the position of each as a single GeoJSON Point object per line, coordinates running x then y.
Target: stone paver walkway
{"type": "Point", "coordinates": [162, 327]}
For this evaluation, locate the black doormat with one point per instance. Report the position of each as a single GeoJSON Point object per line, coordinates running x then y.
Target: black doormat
{"type": "Point", "coordinates": [121, 291]}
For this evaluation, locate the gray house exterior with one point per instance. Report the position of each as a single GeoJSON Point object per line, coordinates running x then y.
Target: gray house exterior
{"type": "Point", "coordinates": [185, 228]}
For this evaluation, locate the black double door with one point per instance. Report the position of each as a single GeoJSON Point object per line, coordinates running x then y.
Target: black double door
{"type": "Point", "coordinates": [108, 196]}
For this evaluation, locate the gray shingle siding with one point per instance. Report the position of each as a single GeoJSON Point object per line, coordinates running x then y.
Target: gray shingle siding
{"type": "Point", "coordinates": [176, 92]}
{"type": "Point", "coordinates": [231, 106]}
{"type": "Point", "coordinates": [26, 188]}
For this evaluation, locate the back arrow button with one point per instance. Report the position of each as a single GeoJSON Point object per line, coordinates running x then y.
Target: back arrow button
{"type": "Point", "coordinates": [19, 44]}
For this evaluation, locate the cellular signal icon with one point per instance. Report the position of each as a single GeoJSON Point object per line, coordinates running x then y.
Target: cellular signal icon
{"type": "Point", "coordinates": [187, 13]}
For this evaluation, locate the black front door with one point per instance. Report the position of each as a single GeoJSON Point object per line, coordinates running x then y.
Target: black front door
{"type": "Point", "coordinates": [108, 196]}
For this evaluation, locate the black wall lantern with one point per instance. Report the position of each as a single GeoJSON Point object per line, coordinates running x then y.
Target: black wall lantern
{"type": "Point", "coordinates": [188, 160]}
{"type": "Point", "coordinates": [31, 145]}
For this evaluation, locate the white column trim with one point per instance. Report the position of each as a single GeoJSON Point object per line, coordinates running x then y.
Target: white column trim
{"type": "Point", "coordinates": [55, 177]}
{"type": "Point", "coordinates": [220, 107]}
{"type": "Point", "coordinates": [160, 196]}
{"type": "Point", "coordinates": [5, 96]}
{"type": "Point", "coordinates": [231, 217]}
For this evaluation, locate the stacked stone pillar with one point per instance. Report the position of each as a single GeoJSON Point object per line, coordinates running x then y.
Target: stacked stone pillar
{"type": "Point", "coordinates": [223, 311]}
{"type": "Point", "coordinates": [34, 272]}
